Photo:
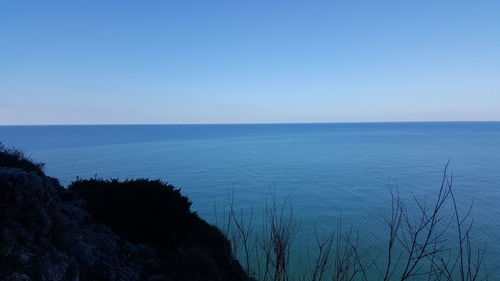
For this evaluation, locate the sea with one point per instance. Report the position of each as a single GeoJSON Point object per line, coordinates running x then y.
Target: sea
{"type": "Point", "coordinates": [326, 174]}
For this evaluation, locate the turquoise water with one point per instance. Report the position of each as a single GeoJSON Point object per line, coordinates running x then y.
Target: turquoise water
{"type": "Point", "coordinates": [327, 170]}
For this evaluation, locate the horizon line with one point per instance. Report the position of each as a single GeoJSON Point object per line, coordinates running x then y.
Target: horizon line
{"type": "Point", "coordinates": [251, 123]}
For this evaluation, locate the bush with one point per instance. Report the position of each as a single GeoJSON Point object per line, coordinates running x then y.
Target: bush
{"type": "Point", "coordinates": [16, 159]}
{"type": "Point", "coordinates": [140, 211]}
{"type": "Point", "coordinates": [155, 213]}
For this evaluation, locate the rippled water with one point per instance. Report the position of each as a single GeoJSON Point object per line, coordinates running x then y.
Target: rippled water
{"type": "Point", "coordinates": [327, 170]}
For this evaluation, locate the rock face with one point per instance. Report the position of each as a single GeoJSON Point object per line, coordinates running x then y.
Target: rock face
{"type": "Point", "coordinates": [44, 238]}
{"type": "Point", "coordinates": [46, 233]}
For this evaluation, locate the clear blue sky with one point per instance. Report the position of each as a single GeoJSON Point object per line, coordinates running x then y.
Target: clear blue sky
{"type": "Point", "coordinates": [81, 62]}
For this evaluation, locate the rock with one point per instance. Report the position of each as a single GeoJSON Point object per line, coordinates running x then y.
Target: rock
{"type": "Point", "coordinates": [45, 238]}
{"type": "Point", "coordinates": [16, 277]}
{"type": "Point", "coordinates": [158, 277]}
{"type": "Point", "coordinates": [47, 234]}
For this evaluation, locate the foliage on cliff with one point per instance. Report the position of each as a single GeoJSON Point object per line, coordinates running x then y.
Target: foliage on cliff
{"type": "Point", "coordinates": [132, 230]}
{"type": "Point", "coordinates": [155, 213]}
{"type": "Point", "coordinates": [16, 159]}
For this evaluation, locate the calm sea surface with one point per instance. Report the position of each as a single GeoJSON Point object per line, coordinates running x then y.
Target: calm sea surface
{"type": "Point", "coordinates": [327, 170]}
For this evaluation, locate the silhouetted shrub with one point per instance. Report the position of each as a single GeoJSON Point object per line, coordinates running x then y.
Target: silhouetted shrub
{"type": "Point", "coordinates": [141, 211]}
{"type": "Point", "coordinates": [155, 213]}
{"type": "Point", "coordinates": [16, 159]}
{"type": "Point", "coordinates": [34, 207]}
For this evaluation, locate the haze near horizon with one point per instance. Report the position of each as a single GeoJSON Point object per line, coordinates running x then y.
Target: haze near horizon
{"type": "Point", "coordinates": [121, 62]}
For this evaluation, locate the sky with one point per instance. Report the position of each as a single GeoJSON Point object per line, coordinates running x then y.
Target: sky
{"type": "Point", "coordinates": [160, 62]}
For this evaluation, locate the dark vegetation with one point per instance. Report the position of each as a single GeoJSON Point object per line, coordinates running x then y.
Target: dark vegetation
{"type": "Point", "coordinates": [144, 230]}
{"type": "Point", "coordinates": [103, 230]}
{"type": "Point", "coordinates": [154, 213]}
{"type": "Point", "coordinates": [140, 211]}
{"type": "Point", "coordinates": [16, 159]}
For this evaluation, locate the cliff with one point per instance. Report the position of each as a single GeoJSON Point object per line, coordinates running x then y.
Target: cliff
{"type": "Point", "coordinates": [103, 230]}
